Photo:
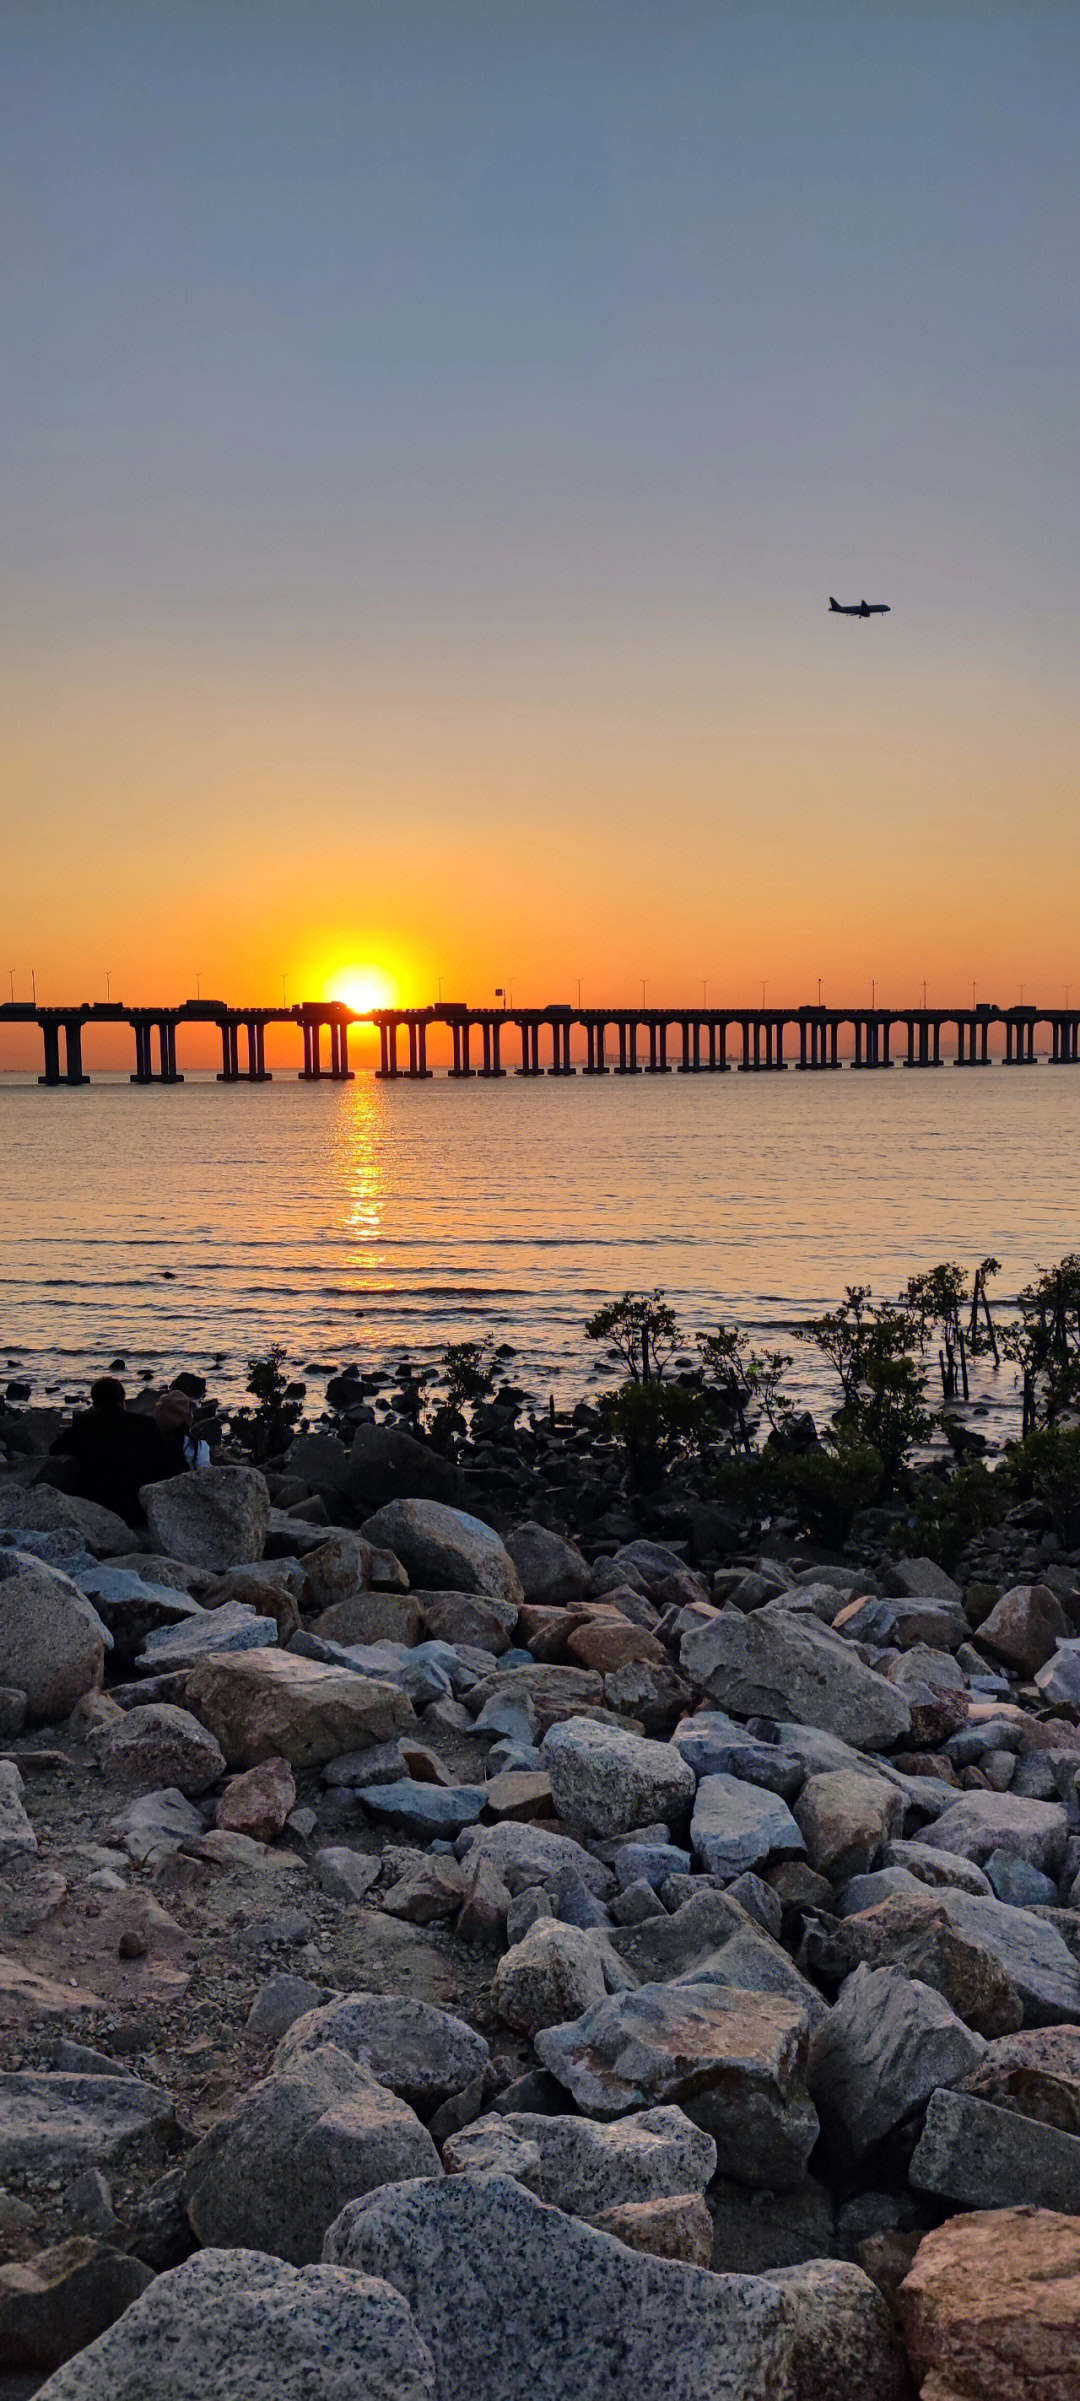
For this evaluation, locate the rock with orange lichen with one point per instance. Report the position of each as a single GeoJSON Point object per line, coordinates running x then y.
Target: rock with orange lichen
{"type": "Point", "coordinates": [991, 2308]}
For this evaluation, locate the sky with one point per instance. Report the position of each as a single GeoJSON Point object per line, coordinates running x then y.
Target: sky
{"type": "Point", "coordinates": [431, 434]}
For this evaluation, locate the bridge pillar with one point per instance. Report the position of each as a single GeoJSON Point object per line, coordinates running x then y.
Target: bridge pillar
{"type": "Point", "coordinates": [388, 1068]}
{"type": "Point", "coordinates": [230, 1058]}
{"type": "Point", "coordinates": [459, 1036]}
{"type": "Point", "coordinates": [312, 1069]}
{"type": "Point", "coordinates": [340, 1069]}
{"type": "Point", "coordinates": [50, 1034]}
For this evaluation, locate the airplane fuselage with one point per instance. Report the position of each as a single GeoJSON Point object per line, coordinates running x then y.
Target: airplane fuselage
{"type": "Point", "coordinates": [859, 608]}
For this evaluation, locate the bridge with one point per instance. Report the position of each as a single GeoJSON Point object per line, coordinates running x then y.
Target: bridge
{"type": "Point", "coordinates": [620, 1041]}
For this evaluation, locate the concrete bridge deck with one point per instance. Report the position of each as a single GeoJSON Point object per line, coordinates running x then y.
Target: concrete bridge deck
{"type": "Point", "coordinates": [620, 1041]}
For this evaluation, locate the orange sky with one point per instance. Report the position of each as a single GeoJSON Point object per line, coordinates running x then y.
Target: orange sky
{"type": "Point", "coordinates": [419, 549]}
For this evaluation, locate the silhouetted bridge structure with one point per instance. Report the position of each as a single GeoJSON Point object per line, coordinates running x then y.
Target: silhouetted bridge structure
{"type": "Point", "coordinates": [617, 1041]}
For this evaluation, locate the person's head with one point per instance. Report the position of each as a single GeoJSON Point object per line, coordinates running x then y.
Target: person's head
{"type": "Point", "coordinates": [173, 1413]}
{"type": "Point", "coordinates": [108, 1396]}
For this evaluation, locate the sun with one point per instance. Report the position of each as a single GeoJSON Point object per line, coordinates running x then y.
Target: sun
{"type": "Point", "coordinates": [364, 988]}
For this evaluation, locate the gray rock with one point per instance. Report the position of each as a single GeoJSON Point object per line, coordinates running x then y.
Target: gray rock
{"type": "Point", "coordinates": [554, 1973]}
{"type": "Point", "coordinates": [884, 2047]}
{"type": "Point", "coordinates": [233, 1627]}
{"type": "Point", "coordinates": [239, 2324]}
{"type": "Point", "coordinates": [421, 2052]}
{"type": "Point", "coordinates": [652, 1862]}
{"type": "Point", "coordinates": [346, 1875]}
{"type": "Point", "coordinates": [279, 2003]}
{"type": "Point", "coordinates": [585, 2168]}
{"type": "Point", "coordinates": [42, 1510]}
{"type": "Point", "coordinates": [58, 2124]}
{"type": "Point", "coordinates": [933, 1866]}
{"type": "Point", "coordinates": [532, 2305]}
{"type": "Point", "coordinates": [714, 1745]}
{"type": "Point", "coordinates": [843, 2342]}
{"type": "Point", "coordinates": [1013, 1880]}
{"type": "Point", "coordinates": [979, 1823]}
{"type": "Point", "coordinates": [425, 1810]}
{"type": "Point", "coordinates": [1030, 1949]}
{"type": "Point", "coordinates": [552, 1570]}
{"type": "Point", "coordinates": [386, 1464]}
{"type": "Point", "coordinates": [17, 1836]}
{"type": "Point", "coordinates": [737, 1826]}
{"type": "Point", "coordinates": [523, 1855]}
{"type": "Point", "coordinates": [605, 1781]}
{"type": "Point", "coordinates": [573, 1903]}
{"type": "Point", "coordinates": [921, 1579]}
{"type": "Point", "coordinates": [526, 1908]}
{"type": "Point", "coordinates": [275, 2173]}
{"type": "Point", "coordinates": [52, 1641]}
{"type": "Point", "coordinates": [635, 1904]}
{"type": "Point", "coordinates": [155, 1824]}
{"type": "Point", "coordinates": [845, 1819]}
{"type": "Point", "coordinates": [444, 1549]}
{"type": "Point", "coordinates": [777, 1664]}
{"type": "Point", "coordinates": [216, 1519]}
{"type": "Point", "coordinates": [988, 2158]}
{"type": "Point", "coordinates": [711, 1940]}
{"type": "Point", "coordinates": [159, 1745]}
{"type": "Point", "coordinates": [734, 2061]}
{"type": "Point", "coordinates": [1059, 1679]}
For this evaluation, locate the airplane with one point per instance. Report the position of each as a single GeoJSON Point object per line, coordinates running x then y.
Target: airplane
{"type": "Point", "coordinates": [862, 608]}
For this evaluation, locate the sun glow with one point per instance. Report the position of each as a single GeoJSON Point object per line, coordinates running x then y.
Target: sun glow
{"type": "Point", "coordinates": [364, 988]}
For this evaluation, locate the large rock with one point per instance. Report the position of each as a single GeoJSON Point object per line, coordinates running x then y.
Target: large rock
{"type": "Point", "coordinates": [881, 2052]}
{"type": "Point", "coordinates": [52, 1641]}
{"type": "Point", "coordinates": [523, 1855]}
{"type": "Point", "coordinates": [736, 1826]}
{"type": "Point", "coordinates": [1031, 1950]}
{"type": "Point", "coordinates": [735, 2061]}
{"type": "Point", "coordinates": [17, 1836]}
{"type": "Point", "coordinates": [710, 1939]}
{"type": "Point", "coordinates": [917, 1934]}
{"type": "Point", "coordinates": [605, 1781]}
{"type": "Point", "coordinates": [1024, 1627]}
{"type": "Point", "coordinates": [991, 2308]}
{"type": "Point", "coordinates": [844, 2345]}
{"type": "Point", "coordinates": [159, 1744]}
{"type": "Point", "coordinates": [552, 1570]}
{"type": "Point", "coordinates": [990, 2158]}
{"type": "Point", "coordinates": [262, 1704]}
{"type": "Point", "coordinates": [444, 1550]}
{"type": "Point", "coordinates": [775, 1663]}
{"type": "Point", "coordinates": [216, 1519]}
{"type": "Point", "coordinates": [232, 1627]}
{"type": "Point", "coordinates": [237, 2323]}
{"type": "Point", "coordinates": [274, 2174]}
{"type": "Point", "coordinates": [981, 1823]}
{"type": "Point", "coordinates": [531, 2305]}
{"type": "Point", "coordinates": [585, 2168]}
{"type": "Point", "coordinates": [544, 1692]}
{"type": "Point", "coordinates": [555, 1973]}
{"type": "Point", "coordinates": [56, 2303]}
{"type": "Point", "coordinates": [422, 2053]}
{"type": "Point", "coordinates": [845, 1819]}
{"type": "Point", "coordinates": [714, 1744]}
{"type": "Point", "coordinates": [371, 1617]}
{"type": "Point", "coordinates": [1037, 2073]}
{"type": "Point", "coordinates": [258, 1802]}
{"type": "Point", "coordinates": [58, 2124]}
{"type": "Point", "coordinates": [387, 1465]}
{"type": "Point", "coordinates": [43, 1510]}
{"type": "Point", "coordinates": [469, 1620]}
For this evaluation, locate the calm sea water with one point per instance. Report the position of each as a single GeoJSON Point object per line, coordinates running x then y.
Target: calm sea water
{"type": "Point", "coordinates": [195, 1225]}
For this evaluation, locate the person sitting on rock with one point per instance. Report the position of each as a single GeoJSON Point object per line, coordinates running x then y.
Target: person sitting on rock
{"type": "Point", "coordinates": [174, 1417]}
{"type": "Point", "coordinates": [108, 1452]}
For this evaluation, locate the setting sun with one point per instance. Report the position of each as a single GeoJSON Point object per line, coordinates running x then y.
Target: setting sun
{"type": "Point", "coordinates": [364, 988]}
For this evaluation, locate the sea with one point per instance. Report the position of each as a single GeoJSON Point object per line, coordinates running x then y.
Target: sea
{"type": "Point", "coordinates": [371, 1224]}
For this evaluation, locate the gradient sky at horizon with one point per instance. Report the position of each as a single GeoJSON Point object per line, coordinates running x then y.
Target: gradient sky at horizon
{"type": "Point", "coordinates": [431, 434]}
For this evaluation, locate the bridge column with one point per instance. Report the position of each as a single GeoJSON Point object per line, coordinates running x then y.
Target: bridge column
{"type": "Point", "coordinates": [313, 1067]}
{"type": "Point", "coordinates": [167, 1043]}
{"type": "Point", "coordinates": [633, 1067]}
{"type": "Point", "coordinates": [744, 1063]}
{"type": "Point", "coordinates": [685, 1067]}
{"type": "Point", "coordinates": [141, 1032]}
{"type": "Point", "coordinates": [73, 1047]}
{"type": "Point", "coordinates": [50, 1034]}
{"type": "Point", "coordinates": [388, 1068]}
{"type": "Point", "coordinates": [229, 1069]}
{"type": "Point", "coordinates": [344, 1073]}
{"type": "Point", "coordinates": [779, 1061]}
{"type": "Point", "coordinates": [886, 1032]}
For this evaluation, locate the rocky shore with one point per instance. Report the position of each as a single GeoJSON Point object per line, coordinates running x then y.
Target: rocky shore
{"type": "Point", "coordinates": [469, 1930]}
